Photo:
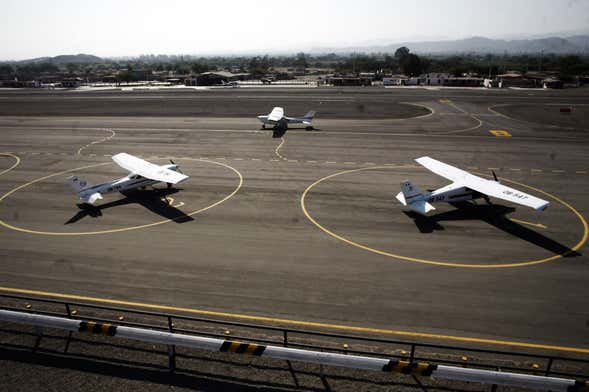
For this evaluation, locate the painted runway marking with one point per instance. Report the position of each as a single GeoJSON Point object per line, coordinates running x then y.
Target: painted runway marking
{"type": "Point", "coordinates": [16, 163]}
{"type": "Point", "coordinates": [523, 222]}
{"type": "Point", "coordinates": [277, 150]}
{"type": "Point", "coordinates": [500, 133]}
{"type": "Point", "coordinates": [104, 139]}
{"type": "Point", "coordinates": [577, 246]}
{"type": "Point", "coordinates": [532, 171]}
{"type": "Point", "coordinates": [300, 323]}
{"type": "Point", "coordinates": [147, 225]}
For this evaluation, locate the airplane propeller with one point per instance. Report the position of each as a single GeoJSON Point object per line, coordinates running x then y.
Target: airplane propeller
{"type": "Point", "coordinates": [177, 167]}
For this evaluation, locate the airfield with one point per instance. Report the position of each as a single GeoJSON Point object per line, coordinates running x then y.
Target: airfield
{"type": "Point", "coordinates": [304, 230]}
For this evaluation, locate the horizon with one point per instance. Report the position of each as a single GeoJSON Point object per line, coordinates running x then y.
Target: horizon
{"type": "Point", "coordinates": [186, 28]}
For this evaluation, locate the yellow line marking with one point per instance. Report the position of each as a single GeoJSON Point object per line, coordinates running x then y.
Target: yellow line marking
{"type": "Point", "coordinates": [443, 263]}
{"type": "Point", "coordinates": [536, 170]}
{"type": "Point", "coordinates": [432, 111]}
{"type": "Point", "coordinates": [523, 222]}
{"type": "Point", "coordinates": [500, 133]}
{"type": "Point", "coordinates": [581, 172]}
{"type": "Point", "coordinates": [277, 149]}
{"type": "Point", "coordinates": [558, 171]}
{"type": "Point", "coordinates": [348, 328]}
{"type": "Point", "coordinates": [8, 154]}
{"type": "Point", "coordinates": [113, 134]}
{"type": "Point", "coordinates": [23, 230]}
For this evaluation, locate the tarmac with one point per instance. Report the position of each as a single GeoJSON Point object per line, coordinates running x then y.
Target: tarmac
{"type": "Point", "coordinates": [304, 230]}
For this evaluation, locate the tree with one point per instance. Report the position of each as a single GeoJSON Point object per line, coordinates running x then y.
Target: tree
{"type": "Point", "coordinates": [411, 65]}
{"type": "Point", "coordinates": [199, 68]}
{"type": "Point", "coordinates": [403, 51]}
{"type": "Point", "coordinates": [301, 60]}
{"type": "Point", "coordinates": [71, 68]}
{"type": "Point", "coordinates": [6, 69]}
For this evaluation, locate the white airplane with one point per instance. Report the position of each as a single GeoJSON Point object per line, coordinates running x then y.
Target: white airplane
{"type": "Point", "coordinates": [280, 121]}
{"type": "Point", "coordinates": [465, 186]}
{"type": "Point", "coordinates": [142, 174]}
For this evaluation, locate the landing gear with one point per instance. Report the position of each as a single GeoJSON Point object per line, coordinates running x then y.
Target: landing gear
{"type": "Point", "coordinates": [169, 185]}
{"type": "Point", "coordinates": [263, 126]}
{"type": "Point", "coordinates": [309, 128]}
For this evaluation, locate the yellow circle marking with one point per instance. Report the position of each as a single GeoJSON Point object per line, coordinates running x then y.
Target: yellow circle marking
{"type": "Point", "coordinates": [8, 154]}
{"type": "Point", "coordinates": [9, 226]}
{"type": "Point", "coordinates": [435, 262]}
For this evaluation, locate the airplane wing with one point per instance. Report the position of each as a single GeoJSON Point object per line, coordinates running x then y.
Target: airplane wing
{"type": "Point", "coordinates": [298, 120]}
{"type": "Point", "coordinates": [276, 114]}
{"type": "Point", "coordinates": [479, 184]}
{"type": "Point", "coordinates": [148, 170]}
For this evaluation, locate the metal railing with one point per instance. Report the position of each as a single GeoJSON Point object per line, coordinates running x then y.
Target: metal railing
{"type": "Point", "coordinates": [481, 358]}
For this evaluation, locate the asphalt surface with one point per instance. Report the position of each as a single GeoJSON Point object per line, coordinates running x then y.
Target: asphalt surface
{"type": "Point", "coordinates": [258, 253]}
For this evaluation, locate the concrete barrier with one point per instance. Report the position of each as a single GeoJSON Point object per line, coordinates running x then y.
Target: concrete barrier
{"type": "Point", "coordinates": [292, 354]}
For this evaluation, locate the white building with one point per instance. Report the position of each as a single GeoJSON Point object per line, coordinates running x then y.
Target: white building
{"type": "Point", "coordinates": [433, 79]}
{"type": "Point", "coordinates": [394, 80]}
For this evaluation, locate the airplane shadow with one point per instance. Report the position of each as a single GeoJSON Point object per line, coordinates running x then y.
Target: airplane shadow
{"type": "Point", "coordinates": [494, 215]}
{"type": "Point", "coordinates": [150, 199]}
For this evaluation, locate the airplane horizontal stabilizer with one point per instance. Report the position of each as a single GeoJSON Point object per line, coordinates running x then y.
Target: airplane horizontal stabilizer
{"type": "Point", "coordinates": [421, 206]}
{"type": "Point", "coordinates": [91, 199]}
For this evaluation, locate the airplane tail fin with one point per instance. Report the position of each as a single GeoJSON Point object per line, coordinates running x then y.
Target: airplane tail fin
{"type": "Point", "coordinates": [310, 114]}
{"type": "Point", "coordinates": [412, 196]}
{"type": "Point", "coordinates": [78, 184]}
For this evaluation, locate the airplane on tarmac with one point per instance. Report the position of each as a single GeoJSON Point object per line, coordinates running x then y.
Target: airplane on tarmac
{"type": "Point", "coordinates": [465, 187]}
{"type": "Point", "coordinates": [142, 174]}
{"type": "Point", "coordinates": [280, 121]}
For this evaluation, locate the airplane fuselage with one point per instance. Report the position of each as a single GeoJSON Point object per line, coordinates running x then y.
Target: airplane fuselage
{"type": "Point", "coordinates": [451, 193]}
{"type": "Point", "coordinates": [132, 181]}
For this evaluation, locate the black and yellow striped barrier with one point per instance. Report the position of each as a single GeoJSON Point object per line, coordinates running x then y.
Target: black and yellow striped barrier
{"type": "Point", "coordinates": [97, 328]}
{"type": "Point", "coordinates": [242, 348]}
{"type": "Point", "coordinates": [406, 367]}
{"type": "Point", "coordinates": [400, 366]}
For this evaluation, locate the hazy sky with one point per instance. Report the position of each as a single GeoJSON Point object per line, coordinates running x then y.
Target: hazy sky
{"type": "Point", "coordinates": [33, 28]}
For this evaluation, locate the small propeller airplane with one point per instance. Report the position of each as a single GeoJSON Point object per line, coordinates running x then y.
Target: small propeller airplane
{"type": "Point", "coordinates": [280, 121]}
{"type": "Point", "coordinates": [142, 174]}
{"type": "Point", "coordinates": [465, 187]}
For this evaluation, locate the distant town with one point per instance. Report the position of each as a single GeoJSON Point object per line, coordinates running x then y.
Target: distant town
{"type": "Point", "coordinates": [401, 67]}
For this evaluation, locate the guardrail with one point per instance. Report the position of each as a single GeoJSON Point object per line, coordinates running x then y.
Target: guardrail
{"type": "Point", "coordinates": [475, 358]}
{"type": "Point", "coordinates": [285, 353]}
